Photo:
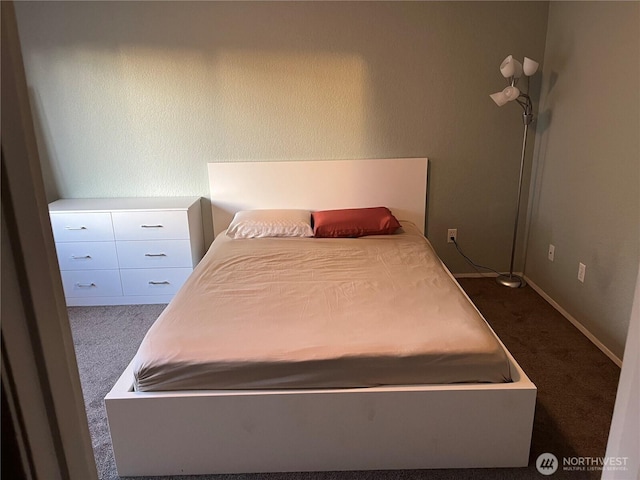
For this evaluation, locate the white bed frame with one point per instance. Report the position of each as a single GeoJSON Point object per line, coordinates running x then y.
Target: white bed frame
{"type": "Point", "coordinates": [399, 427]}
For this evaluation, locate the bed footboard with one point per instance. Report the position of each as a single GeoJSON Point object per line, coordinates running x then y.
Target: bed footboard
{"type": "Point", "coordinates": [412, 427]}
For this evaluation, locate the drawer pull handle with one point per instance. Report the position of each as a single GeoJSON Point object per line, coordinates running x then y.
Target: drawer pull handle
{"type": "Point", "coordinates": [80, 257]}
{"type": "Point", "coordinates": [165, 282]}
{"type": "Point", "coordinates": [85, 285]}
{"type": "Point", "coordinates": [152, 226]}
{"type": "Point", "coordinates": [75, 228]}
{"type": "Point", "coordinates": [155, 254]}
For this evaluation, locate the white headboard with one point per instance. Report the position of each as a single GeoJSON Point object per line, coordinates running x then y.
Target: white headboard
{"type": "Point", "coordinates": [397, 183]}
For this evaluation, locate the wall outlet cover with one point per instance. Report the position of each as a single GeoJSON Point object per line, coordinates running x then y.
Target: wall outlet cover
{"type": "Point", "coordinates": [582, 270]}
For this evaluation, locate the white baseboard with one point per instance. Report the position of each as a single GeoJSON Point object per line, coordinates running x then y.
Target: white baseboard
{"type": "Point", "coordinates": [482, 275]}
{"type": "Point", "coordinates": [575, 323]}
{"type": "Point", "coordinates": [474, 275]}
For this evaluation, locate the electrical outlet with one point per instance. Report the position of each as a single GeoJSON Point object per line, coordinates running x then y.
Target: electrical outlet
{"type": "Point", "coordinates": [452, 233]}
{"type": "Point", "coordinates": [582, 269]}
{"type": "Point", "coordinates": [552, 252]}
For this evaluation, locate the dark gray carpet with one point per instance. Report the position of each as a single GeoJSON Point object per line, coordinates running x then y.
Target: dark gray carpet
{"type": "Point", "coordinates": [576, 382]}
{"type": "Point", "coordinates": [106, 339]}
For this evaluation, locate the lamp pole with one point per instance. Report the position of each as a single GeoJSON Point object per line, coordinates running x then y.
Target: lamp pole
{"type": "Point", "coordinates": [512, 70]}
{"type": "Point", "coordinates": [511, 280]}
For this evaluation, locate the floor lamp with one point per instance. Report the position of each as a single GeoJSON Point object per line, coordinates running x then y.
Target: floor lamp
{"type": "Point", "coordinates": [513, 70]}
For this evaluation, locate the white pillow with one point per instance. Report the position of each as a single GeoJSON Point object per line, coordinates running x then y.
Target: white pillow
{"type": "Point", "coordinates": [271, 223]}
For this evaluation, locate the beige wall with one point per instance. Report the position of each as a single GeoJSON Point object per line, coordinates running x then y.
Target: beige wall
{"type": "Point", "coordinates": [134, 98]}
{"type": "Point", "coordinates": [586, 195]}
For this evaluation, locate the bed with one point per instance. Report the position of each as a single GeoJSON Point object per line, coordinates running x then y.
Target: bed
{"type": "Point", "coordinates": [318, 413]}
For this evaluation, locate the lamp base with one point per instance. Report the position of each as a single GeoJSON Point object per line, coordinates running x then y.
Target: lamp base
{"type": "Point", "coordinates": [511, 281]}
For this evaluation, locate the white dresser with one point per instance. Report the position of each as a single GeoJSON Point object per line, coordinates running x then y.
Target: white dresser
{"type": "Point", "coordinates": [122, 251]}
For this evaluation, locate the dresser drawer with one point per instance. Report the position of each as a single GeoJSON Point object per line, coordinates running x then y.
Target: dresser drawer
{"type": "Point", "coordinates": [152, 225]}
{"type": "Point", "coordinates": [94, 283]}
{"type": "Point", "coordinates": [153, 281]}
{"type": "Point", "coordinates": [81, 227]}
{"type": "Point", "coordinates": [154, 254]}
{"type": "Point", "coordinates": [148, 244]}
{"type": "Point", "coordinates": [87, 255]}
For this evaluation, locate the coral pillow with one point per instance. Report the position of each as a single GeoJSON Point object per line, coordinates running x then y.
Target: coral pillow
{"type": "Point", "coordinates": [354, 222]}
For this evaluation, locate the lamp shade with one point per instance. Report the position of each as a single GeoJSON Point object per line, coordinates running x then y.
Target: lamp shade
{"type": "Point", "coordinates": [507, 67]}
{"type": "Point", "coordinates": [511, 93]}
{"type": "Point", "coordinates": [507, 95]}
{"type": "Point", "coordinates": [500, 98]}
{"type": "Point", "coordinates": [529, 66]}
{"type": "Point", "coordinates": [510, 67]}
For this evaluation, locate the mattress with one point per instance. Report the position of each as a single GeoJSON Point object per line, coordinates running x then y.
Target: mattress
{"type": "Point", "coordinates": [273, 313]}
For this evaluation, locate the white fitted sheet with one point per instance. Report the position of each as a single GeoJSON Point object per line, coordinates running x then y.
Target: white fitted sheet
{"type": "Point", "coordinates": [319, 313]}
